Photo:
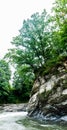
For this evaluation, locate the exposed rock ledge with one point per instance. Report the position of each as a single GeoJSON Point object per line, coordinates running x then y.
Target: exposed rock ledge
{"type": "Point", "coordinates": [13, 107]}
{"type": "Point", "coordinates": [49, 96]}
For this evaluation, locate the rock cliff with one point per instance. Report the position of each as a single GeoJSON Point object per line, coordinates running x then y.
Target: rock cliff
{"type": "Point", "coordinates": [48, 99]}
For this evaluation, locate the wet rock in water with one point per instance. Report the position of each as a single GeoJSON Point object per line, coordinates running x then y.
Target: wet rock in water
{"type": "Point", "coordinates": [48, 99]}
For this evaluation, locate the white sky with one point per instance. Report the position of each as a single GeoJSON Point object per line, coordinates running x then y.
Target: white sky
{"type": "Point", "coordinates": [12, 14]}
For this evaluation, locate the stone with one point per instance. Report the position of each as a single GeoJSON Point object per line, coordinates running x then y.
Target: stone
{"type": "Point", "coordinates": [49, 101]}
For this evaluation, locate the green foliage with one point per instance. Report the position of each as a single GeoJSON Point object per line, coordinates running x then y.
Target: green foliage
{"type": "Point", "coordinates": [60, 25]}
{"type": "Point", "coordinates": [30, 53]}
{"type": "Point", "coordinates": [32, 45]}
{"type": "Point", "coordinates": [23, 80]}
{"type": "Point", "coordinates": [4, 81]}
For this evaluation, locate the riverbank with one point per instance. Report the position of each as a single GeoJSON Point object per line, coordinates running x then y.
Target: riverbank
{"type": "Point", "coordinates": [23, 108]}
{"type": "Point", "coordinates": [13, 107]}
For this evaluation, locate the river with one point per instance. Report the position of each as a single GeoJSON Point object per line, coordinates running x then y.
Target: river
{"type": "Point", "coordinates": [20, 121]}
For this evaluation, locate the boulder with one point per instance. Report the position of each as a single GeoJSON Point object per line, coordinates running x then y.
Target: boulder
{"type": "Point", "coordinates": [49, 95]}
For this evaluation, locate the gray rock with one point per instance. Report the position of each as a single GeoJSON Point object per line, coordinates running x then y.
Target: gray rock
{"type": "Point", "coordinates": [49, 97]}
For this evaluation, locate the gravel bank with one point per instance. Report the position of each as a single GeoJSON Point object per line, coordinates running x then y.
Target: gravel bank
{"type": "Point", "coordinates": [13, 107]}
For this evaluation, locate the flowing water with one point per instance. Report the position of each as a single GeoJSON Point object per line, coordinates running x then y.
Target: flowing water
{"type": "Point", "coordinates": [20, 121]}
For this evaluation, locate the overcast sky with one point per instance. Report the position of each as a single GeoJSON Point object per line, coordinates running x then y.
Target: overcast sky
{"type": "Point", "coordinates": [12, 14]}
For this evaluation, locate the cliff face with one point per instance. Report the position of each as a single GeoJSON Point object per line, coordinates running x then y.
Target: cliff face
{"type": "Point", "coordinates": [49, 95]}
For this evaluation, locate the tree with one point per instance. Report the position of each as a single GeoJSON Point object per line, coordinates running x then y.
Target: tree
{"type": "Point", "coordinates": [33, 43]}
{"type": "Point", "coordinates": [31, 51]}
{"type": "Point", "coordinates": [23, 80]}
{"type": "Point", "coordinates": [4, 81]}
{"type": "Point", "coordinates": [60, 26]}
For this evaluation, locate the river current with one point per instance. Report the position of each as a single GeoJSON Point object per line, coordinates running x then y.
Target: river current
{"type": "Point", "coordinates": [20, 121]}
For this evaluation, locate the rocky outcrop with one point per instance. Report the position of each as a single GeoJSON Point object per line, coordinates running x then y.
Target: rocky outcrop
{"type": "Point", "coordinates": [49, 95]}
